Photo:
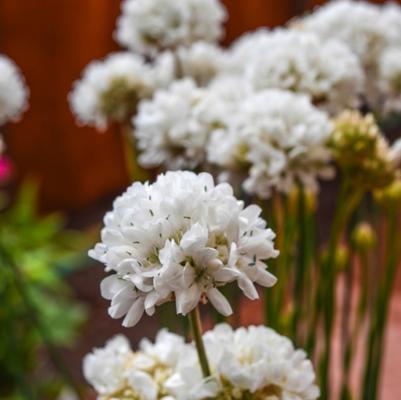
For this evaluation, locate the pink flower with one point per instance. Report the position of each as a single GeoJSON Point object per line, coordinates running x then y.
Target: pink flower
{"type": "Point", "coordinates": [6, 169]}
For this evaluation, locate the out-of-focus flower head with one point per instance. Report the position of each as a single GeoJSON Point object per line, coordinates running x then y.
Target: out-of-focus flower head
{"type": "Point", "coordinates": [181, 238]}
{"type": "Point", "coordinates": [110, 89]}
{"type": "Point", "coordinates": [172, 129]}
{"type": "Point", "coordinates": [150, 26]}
{"type": "Point", "coordinates": [13, 91]}
{"type": "Point", "coordinates": [362, 152]}
{"type": "Point", "coordinates": [327, 71]}
{"type": "Point", "coordinates": [254, 362]}
{"type": "Point", "coordinates": [277, 139]}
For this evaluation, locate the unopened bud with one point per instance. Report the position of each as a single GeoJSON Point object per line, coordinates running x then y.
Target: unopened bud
{"type": "Point", "coordinates": [363, 237]}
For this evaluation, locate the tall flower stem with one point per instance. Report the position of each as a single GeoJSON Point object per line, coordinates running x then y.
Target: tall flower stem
{"type": "Point", "coordinates": [196, 328]}
{"type": "Point", "coordinates": [378, 325]}
{"type": "Point", "coordinates": [348, 200]}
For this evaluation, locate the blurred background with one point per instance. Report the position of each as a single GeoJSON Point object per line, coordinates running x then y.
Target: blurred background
{"type": "Point", "coordinates": [78, 170]}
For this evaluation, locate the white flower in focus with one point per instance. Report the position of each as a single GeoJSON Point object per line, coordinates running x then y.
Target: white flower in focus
{"type": "Point", "coordinates": [110, 89]}
{"type": "Point", "coordinates": [326, 71]}
{"type": "Point", "coordinates": [13, 92]}
{"type": "Point", "coordinates": [254, 361]}
{"type": "Point", "coordinates": [181, 237]}
{"type": "Point", "coordinates": [278, 139]}
{"type": "Point", "coordinates": [149, 26]}
{"type": "Point", "coordinates": [389, 77]}
{"type": "Point", "coordinates": [201, 61]}
{"type": "Point", "coordinates": [116, 372]}
{"type": "Point", "coordinates": [172, 129]}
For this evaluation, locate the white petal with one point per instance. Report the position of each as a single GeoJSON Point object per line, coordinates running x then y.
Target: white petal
{"type": "Point", "coordinates": [135, 313]}
{"type": "Point", "coordinates": [219, 302]}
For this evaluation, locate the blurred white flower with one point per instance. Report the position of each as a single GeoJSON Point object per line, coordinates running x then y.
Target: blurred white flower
{"type": "Point", "coordinates": [327, 71]}
{"type": "Point", "coordinates": [13, 91]}
{"type": "Point", "coordinates": [110, 89]}
{"type": "Point", "coordinates": [277, 139]}
{"type": "Point", "coordinates": [149, 26]}
{"type": "Point", "coordinates": [389, 79]}
{"type": "Point", "coordinates": [116, 372]}
{"type": "Point", "coordinates": [254, 361]}
{"type": "Point", "coordinates": [201, 61]}
{"type": "Point", "coordinates": [181, 238]}
{"type": "Point", "coordinates": [359, 24]}
{"type": "Point", "coordinates": [173, 127]}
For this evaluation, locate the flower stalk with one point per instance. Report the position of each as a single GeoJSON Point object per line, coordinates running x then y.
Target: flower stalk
{"type": "Point", "coordinates": [196, 329]}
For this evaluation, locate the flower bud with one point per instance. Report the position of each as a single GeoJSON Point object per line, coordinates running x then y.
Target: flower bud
{"type": "Point", "coordinates": [363, 237]}
{"type": "Point", "coordinates": [342, 257]}
{"type": "Point", "coordinates": [390, 196]}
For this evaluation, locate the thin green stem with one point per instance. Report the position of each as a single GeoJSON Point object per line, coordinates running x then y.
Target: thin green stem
{"type": "Point", "coordinates": [196, 328]}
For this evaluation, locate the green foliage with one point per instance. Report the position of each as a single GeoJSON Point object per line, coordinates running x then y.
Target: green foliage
{"type": "Point", "coordinates": [37, 309]}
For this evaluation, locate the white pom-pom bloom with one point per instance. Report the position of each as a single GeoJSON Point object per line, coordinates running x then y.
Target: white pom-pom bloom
{"type": "Point", "coordinates": [172, 129]}
{"type": "Point", "coordinates": [116, 372]}
{"type": "Point", "coordinates": [148, 26]}
{"type": "Point", "coordinates": [362, 25]}
{"type": "Point", "coordinates": [300, 62]}
{"type": "Point", "coordinates": [181, 237]}
{"type": "Point", "coordinates": [254, 362]}
{"type": "Point", "coordinates": [13, 92]}
{"type": "Point", "coordinates": [278, 139]}
{"type": "Point", "coordinates": [390, 79]}
{"type": "Point", "coordinates": [109, 90]}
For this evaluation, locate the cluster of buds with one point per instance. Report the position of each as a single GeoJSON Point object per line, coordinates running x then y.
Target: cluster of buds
{"type": "Point", "coordinates": [362, 152]}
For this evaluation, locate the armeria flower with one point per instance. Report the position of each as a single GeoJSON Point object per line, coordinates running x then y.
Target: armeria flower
{"type": "Point", "coordinates": [277, 139]}
{"type": "Point", "coordinates": [117, 372]}
{"type": "Point", "coordinates": [362, 152]}
{"type": "Point", "coordinates": [389, 79]}
{"type": "Point", "coordinates": [181, 238]}
{"type": "Point", "coordinates": [148, 26]}
{"type": "Point", "coordinates": [361, 25]}
{"type": "Point", "coordinates": [110, 90]}
{"type": "Point", "coordinates": [327, 71]}
{"type": "Point", "coordinates": [254, 362]}
{"type": "Point", "coordinates": [172, 129]}
{"type": "Point", "coordinates": [13, 91]}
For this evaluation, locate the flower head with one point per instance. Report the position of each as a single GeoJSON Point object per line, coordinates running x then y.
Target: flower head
{"type": "Point", "coordinates": [181, 238]}
{"type": "Point", "coordinates": [362, 152]}
{"type": "Point", "coordinates": [327, 71]}
{"type": "Point", "coordinates": [110, 90]}
{"type": "Point", "coordinates": [117, 372]}
{"type": "Point", "coordinates": [148, 26]}
{"type": "Point", "coordinates": [277, 139]}
{"type": "Point", "coordinates": [172, 129]}
{"type": "Point", "coordinates": [254, 362]}
{"type": "Point", "coordinates": [13, 92]}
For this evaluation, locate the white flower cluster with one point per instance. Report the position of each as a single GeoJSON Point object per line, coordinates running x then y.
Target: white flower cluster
{"type": "Point", "coordinates": [13, 92]}
{"type": "Point", "coordinates": [252, 363]}
{"type": "Point", "coordinates": [172, 128]}
{"type": "Point", "coordinates": [116, 372]}
{"type": "Point", "coordinates": [110, 90]}
{"type": "Point", "coordinates": [327, 71]}
{"type": "Point", "coordinates": [149, 26]}
{"type": "Point", "coordinates": [277, 139]}
{"type": "Point", "coordinates": [181, 238]}
{"type": "Point", "coordinates": [368, 29]}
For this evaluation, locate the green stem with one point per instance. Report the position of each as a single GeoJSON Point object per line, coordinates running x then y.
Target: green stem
{"type": "Point", "coordinates": [348, 200]}
{"type": "Point", "coordinates": [196, 328]}
{"type": "Point", "coordinates": [378, 326]}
